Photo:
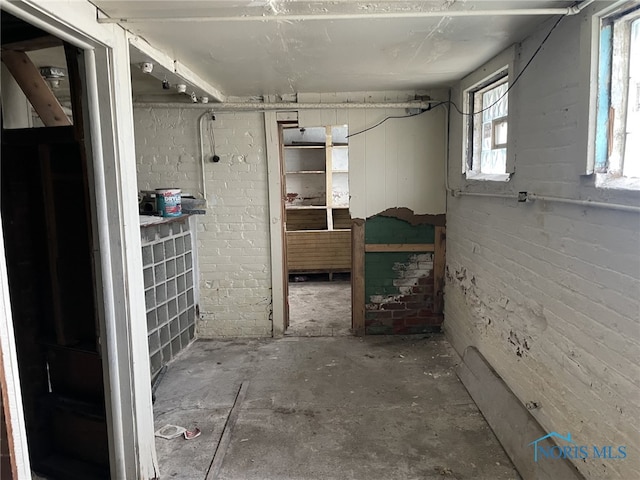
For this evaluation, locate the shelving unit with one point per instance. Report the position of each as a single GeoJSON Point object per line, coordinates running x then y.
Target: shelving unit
{"type": "Point", "coordinates": [316, 174]}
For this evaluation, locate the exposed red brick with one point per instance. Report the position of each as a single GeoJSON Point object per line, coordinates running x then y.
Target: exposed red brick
{"type": "Point", "coordinates": [394, 306]}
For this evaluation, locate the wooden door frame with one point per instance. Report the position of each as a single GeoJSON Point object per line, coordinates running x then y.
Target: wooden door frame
{"type": "Point", "coordinates": [279, 280]}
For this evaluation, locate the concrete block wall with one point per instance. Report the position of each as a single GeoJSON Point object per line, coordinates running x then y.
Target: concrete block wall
{"type": "Point", "coordinates": [399, 286]}
{"type": "Point", "coordinates": [233, 236]}
{"type": "Point", "coordinates": [548, 292]}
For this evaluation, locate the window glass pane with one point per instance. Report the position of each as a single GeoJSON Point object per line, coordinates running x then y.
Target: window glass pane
{"type": "Point", "coordinates": [489, 99]}
{"type": "Point", "coordinates": [339, 134]}
{"type": "Point", "coordinates": [500, 133]}
{"type": "Point", "coordinates": [340, 158]}
{"type": "Point", "coordinates": [631, 165]}
{"type": "Point", "coordinates": [492, 135]}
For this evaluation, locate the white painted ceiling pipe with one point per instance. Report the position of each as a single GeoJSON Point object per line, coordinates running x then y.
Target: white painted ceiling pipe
{"type": "Point", "coordinates": [260, 107]}
{"type": "Point", "coordinates": [352, 16]}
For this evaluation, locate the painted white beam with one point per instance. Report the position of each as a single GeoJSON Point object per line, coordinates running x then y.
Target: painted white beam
{"type": "Point", "coordinates": [179, 69]}
{"type": "Point", "coordinates": [260, 107]}
{"type": "Point", "coordinates": [350, 16]}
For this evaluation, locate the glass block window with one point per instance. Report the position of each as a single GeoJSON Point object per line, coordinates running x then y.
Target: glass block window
{"type": "Point", "coordinates": [489, 127]}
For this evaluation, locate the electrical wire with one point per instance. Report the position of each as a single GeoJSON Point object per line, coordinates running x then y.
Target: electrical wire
{"type": "Point", "coordinates": [391, 118]}
{"type": "Point", "coordinates": [453, 104]}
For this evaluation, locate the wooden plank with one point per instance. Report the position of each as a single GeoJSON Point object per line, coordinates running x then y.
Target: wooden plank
{"type": "Point", "coordinates": [399, 247]}
{"type": "Point", "coordinates": [279, 263]}
{"type": "Point", "coordinates": [328, 155]}
{"type": "Point", "coordinates": [439, 263]}
{"type": "Point", "coordinates": [225, 438]}
{"type": "Point", "coordinates": [35, 88]}
{"type": "Point", "coordinates": [357, 277]}
{"type": "Point", "coordinates": [38, 43]}
{"type": "Point", "coordinates": [319, 250]}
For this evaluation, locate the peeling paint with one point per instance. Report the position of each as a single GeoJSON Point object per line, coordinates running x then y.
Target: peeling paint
{"type": "Point", "coordinates": [406, 214]}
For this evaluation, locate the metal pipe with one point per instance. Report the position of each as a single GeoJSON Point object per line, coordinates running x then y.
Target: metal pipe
{"type": "Point", "coordinates": [532, 197]}
{"type": "Point", "coordinates": [263, 107]}
{"type": "Point", "coordinates": [202, 156]}
{"type": "Point", "coordinates": [348, 16]}
{"type": "Point", "coordinates": [578, 8]}
{"type": "Point", "coordinates": [461, 193]}
{"type": "Point", "coordinates": [584, 203]}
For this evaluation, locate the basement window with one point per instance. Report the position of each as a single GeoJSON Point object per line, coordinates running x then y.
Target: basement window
{"type": "Point", "coordinates": [617, 152]}
{"type": "Point", "coordinates": [487, 129]}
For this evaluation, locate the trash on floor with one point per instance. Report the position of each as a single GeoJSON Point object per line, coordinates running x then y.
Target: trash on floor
{"type": "Point", "coordinates": [191, 433]}
{"type": "Point", "coordinates": [170, 432]}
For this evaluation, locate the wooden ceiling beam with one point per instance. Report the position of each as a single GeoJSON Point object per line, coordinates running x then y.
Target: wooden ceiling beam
{"type": "Point", "coordinates": [38, 43]}
{"type": "Point", "coordinates": [35, 88]}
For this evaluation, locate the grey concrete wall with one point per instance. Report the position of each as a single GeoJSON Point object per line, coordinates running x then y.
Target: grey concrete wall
{"type": "Point", "coordinates": [548, 292]}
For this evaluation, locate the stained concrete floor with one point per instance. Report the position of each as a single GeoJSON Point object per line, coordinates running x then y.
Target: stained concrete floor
{"type": "Point", "coordinates": [319, 307]}
{"type": "Point", "coordinates": [326, 408]}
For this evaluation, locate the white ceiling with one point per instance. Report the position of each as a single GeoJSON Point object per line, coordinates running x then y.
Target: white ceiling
{"type": "Point", "coordinates": [243, 55]}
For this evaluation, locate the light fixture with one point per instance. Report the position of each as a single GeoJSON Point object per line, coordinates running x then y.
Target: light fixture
{"type": "Point", "coordinates": [146, 67]}
{"type": "Point", "coordinates": [181, 87]}
{"type": "Point", "coordinates": [53, 75]}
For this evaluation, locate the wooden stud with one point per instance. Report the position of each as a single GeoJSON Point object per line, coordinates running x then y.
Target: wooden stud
{"type": "Point", "coordinates": [38, 43]}
{"type": "Point", "coordinates": [35, 88]}
{"type": "Point", "coordinates": [328, 174]}
{"type": "Point", "coordinates": [399, 247]}
{"type": "Point", "coordinates": [283, 228]}
{"type": "Point", "coordinates": [357, 277]}
{"type": "Point", "coordinates": [439, 262]}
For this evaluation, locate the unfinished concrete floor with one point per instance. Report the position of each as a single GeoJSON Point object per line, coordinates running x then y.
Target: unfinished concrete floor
{"type": "Point", "coordinates": [319, 307]}
{"type": "Point", "coordinates": [326, 408]}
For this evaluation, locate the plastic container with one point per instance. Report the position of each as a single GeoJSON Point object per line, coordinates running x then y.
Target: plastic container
{"type": "Point", "coordinates": [168, 201]}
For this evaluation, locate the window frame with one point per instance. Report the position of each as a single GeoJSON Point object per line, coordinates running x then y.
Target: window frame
{"type": "Point", "coordinates": [474, 100]}
{"type": "Point", "coordinates": [496, 71]}
{"type": "Point", "coordinates": [611, 106]}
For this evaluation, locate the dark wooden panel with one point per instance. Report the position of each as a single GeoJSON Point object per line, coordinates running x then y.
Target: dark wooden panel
{"type": "Point", "coordinates": [317, 251]}
{"type": "Point", "coordinates": [357, 277]}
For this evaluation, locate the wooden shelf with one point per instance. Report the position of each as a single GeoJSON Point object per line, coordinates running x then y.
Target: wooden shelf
{"type": "Point", "coordinates": [318, 237]}
{"type": "Point", "coordinates": [306, 207]}
{"type": "Point", "coordinates": [306, 146]}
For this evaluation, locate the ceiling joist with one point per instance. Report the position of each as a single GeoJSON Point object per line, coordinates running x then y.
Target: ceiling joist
{"type": "Point", "coordinates": [35, 88]}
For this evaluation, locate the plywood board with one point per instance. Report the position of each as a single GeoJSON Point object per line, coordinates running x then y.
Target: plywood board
{"type": "Point", "coordinates": [320, 250]}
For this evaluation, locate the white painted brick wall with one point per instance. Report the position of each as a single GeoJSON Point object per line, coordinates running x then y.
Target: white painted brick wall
{"type": "Point", "coordinates": [233, 237]}
{"type": "Point", "coordinates": [549, 293]}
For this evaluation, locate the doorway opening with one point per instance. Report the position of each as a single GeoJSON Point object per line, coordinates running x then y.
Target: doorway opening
{"type": "Point", "coordinates": [48, 225]}
{"type": "Point", "coordinates": [315, 167]}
